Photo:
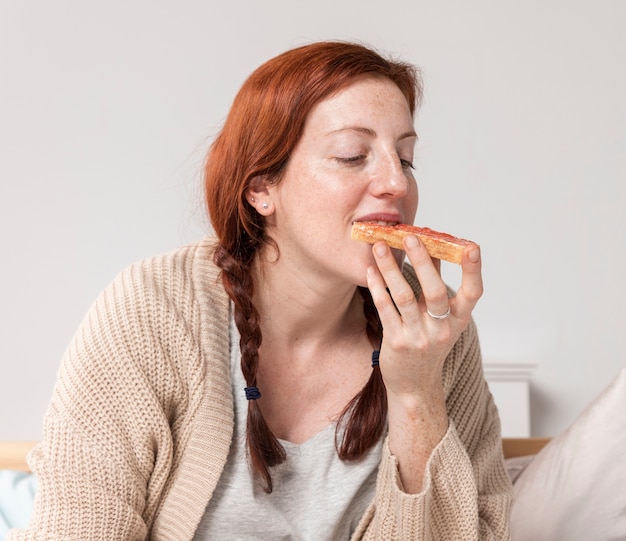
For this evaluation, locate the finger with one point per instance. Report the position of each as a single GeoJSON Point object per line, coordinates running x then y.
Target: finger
{"type": "Point", "coordinates": [471, 288]}
{"type": "Point", "coordinates": [401, 292]}
{"type": "Point", "coordinates": [382, 300]}
{"type": "Point", "coordinates": [437, 264]}
{"type": "Point", "coordinates": [434, 290]}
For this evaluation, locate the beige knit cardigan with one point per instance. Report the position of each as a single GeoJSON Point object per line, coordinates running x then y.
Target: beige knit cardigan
{"type": "Point", "coordinates": [141, 419]}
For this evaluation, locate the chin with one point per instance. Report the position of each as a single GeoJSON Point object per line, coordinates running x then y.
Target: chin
{"type": "Point", "coordinates": [361, 283]}
{"type": "Point", "coordinates": [358, 273]}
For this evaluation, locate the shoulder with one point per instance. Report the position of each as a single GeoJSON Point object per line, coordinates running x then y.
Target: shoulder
{"type": "Point", "coordinates": [187, 273]}
{"type": "Point", "coordinates": [174, 267]}
{"type": "Point", "coordinates": [158, 300]}
{"type": "Point", "coordinates": [160, 322]}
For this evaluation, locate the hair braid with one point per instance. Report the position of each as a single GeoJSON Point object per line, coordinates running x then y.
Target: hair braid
{"type": "Point", "coordinates": [264, 449]}
{"type": "Point", "coordinates": [367, 411]}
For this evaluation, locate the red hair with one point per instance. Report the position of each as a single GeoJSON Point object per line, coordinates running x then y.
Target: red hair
{"type": "Point", "coordinates": [263, 126]}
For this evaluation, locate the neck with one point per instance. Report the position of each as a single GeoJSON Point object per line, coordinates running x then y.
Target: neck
{"type": "Point", "coordinates": [298, 311]}
{"type": "Point", "coordinates": [314, 357]}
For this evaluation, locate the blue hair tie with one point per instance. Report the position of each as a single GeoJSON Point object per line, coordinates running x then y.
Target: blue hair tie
{"type": "Point", "coordinates": [375, 355]}
{"type": "Point", "coordinates": [252, 393]}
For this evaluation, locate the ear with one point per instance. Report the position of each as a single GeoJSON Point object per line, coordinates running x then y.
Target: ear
{"type": "Point", "coordinates": [258, 195]}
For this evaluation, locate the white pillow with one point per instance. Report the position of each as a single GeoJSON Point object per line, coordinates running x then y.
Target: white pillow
{"type": "Point", "coordinates": [575, 487]}
{"type": "Point", "coordinates": [516, 465]}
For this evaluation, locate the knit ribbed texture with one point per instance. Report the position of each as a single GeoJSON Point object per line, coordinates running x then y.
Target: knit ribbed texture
{"type": "Point", "coordinates": [141, 419]}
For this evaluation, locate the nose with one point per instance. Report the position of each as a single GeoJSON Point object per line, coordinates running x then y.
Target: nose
{"type": "Point", "coordinates": [392, 179]}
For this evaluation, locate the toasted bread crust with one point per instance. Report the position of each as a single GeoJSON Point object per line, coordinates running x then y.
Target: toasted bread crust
{"type": "Point", "coordinates": [439, 245]}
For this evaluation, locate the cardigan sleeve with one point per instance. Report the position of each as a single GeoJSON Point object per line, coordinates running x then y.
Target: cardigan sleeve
{"type": "Point", "coordinates": [466, 493]}
{"type": "Point", "coordinates": [108, 447]}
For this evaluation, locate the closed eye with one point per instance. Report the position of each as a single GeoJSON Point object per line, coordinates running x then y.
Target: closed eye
{"type": "Point", "coordinates": [351, 159]}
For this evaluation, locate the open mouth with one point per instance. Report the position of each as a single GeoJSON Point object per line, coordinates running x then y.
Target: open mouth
{"type": "Point", "coordinates": [381, 222]}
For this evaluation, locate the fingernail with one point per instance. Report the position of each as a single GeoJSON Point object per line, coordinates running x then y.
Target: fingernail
{"type": "Point", "coordinates": [474, 255]}
{"type": "Point", "coordinates": [380, 249]}
{"type": "Point", "coordinates": [411, 242]}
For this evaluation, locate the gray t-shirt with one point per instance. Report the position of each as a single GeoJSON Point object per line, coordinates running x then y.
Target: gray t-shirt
{"type": "Point", "coordinates": [316, 496]}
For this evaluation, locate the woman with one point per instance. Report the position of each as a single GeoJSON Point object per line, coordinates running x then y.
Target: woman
{"type": "Point", "coordinates": [283, 381]}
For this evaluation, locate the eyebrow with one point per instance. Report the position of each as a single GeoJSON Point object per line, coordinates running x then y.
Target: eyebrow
{"type": "Point", "coordinates": [370, 132]}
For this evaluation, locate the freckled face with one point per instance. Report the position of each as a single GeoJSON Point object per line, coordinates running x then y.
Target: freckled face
{"type": "Point", "coordinates": [353, 162]}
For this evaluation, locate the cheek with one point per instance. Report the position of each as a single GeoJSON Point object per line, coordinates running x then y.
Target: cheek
{"type": "Point", "coordinates": [412, 201]}
{"type": "Point", "coordinates": [333, 207]}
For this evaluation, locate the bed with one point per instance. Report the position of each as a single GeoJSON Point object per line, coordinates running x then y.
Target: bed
{"type": "Point", "coordinates": [569, 487]}
{"type": "Point", "coordinates": [18, 485]}
{"type": "Point", "coordinates": [13, 453]}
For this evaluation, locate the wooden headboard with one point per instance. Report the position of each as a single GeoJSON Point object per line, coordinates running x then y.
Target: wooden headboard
{"type": "Point", "coordinates": [13, 453]}
{"type": "Point", "coordinates": [513, 447]}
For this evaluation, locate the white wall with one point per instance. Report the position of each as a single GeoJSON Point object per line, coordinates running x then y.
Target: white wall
{"type": "Point", "coordinates": [107, 108]}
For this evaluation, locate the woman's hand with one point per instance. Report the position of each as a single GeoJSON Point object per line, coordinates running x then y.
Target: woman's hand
{"type": "Point", "coordinates": [415, 345]}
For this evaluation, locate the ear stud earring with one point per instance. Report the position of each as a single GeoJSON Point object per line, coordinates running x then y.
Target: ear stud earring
{"type": "Point", "coordinates": [265, 205]}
